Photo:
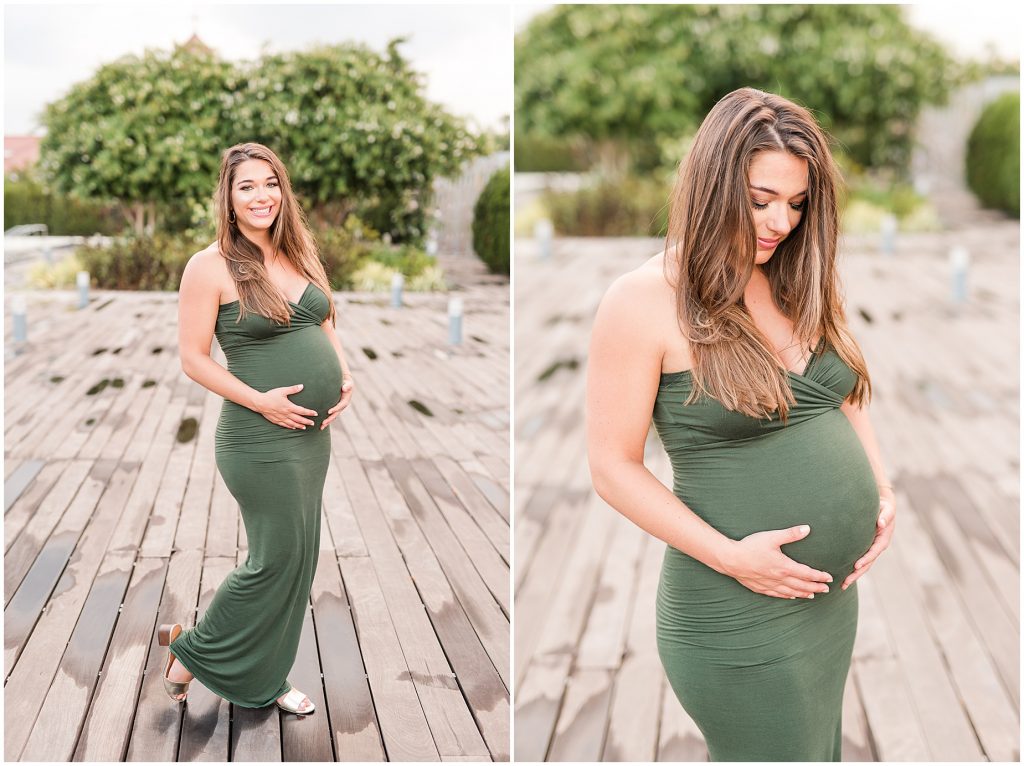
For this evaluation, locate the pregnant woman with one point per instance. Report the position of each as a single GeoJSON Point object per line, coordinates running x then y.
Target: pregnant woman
{"type": "Point", "coordinates": [262, 290]}
{"type": "Point", "coordinates": [734, 340]}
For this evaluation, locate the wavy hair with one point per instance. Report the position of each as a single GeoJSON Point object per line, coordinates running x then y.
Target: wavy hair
{"type": "Point", "coordinates": [289, 234]}
{"type": "Point", "coordinates": [712, 244]}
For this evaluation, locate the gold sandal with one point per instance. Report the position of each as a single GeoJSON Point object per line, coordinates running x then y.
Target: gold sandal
{"type": "Point", "coordinates": [165, 635]}
{"type": "Point", "coordinates": [293, 701]}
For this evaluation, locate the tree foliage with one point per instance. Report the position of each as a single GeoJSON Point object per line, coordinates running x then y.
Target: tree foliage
{"type": "Point", "coordinates": [141, 130]}
{"type": "Point", "coordinates": [642, 73]}
{"type": "Point", "coordinates": [353, 127]}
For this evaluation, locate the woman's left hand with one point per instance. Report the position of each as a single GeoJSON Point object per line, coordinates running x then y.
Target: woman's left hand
{"type": "Point", "coordinates": [886, 525]}
{"type": "Point", "coordinates": [347, 387]}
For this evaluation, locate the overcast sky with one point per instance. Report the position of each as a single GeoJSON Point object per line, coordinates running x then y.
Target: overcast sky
{"type": "Point", "coordinates": [465, 51]}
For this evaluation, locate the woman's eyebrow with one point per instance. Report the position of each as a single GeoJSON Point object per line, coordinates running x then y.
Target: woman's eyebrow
{"type": "Point", "coordinates": [772, 191]}
{"type": "Point", "coordinates": [249, 180]}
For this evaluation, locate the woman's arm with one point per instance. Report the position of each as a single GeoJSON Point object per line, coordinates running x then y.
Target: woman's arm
{"type": "Point", "coordinates": [198, 303]}
{"type": "Point", "coordinates": [347, 386]}
{"type": "Point", "coordinates": [858, 417]}
{"type": "Point", "coordinates": [623, 374]}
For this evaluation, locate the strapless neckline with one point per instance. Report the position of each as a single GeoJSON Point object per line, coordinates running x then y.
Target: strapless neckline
{"type": "Point", "coordinates": [804, 374]}
{"type": "Point", "coordinates": [294, 303]}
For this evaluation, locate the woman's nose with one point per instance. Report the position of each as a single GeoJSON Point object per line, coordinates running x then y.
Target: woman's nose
{"type": "Point", "coordinates": [779, 222]}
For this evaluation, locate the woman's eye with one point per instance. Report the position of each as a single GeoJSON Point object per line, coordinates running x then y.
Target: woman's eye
{"type": "Point", "coordinates": [759, 205]}
{"type": "Point", "coordinates": [799, 208]}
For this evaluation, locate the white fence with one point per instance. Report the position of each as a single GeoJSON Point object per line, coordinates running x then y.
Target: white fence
{"type": "Point", "coordinates": [454, 199]}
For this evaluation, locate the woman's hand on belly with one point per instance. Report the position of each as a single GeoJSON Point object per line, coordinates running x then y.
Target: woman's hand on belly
{"type": "Point", "coordinates": [276, 407]}
{"type": "Point", "coordinates": [886, 526]}
{"type": "Point", "coordinates": [758, 563]}
{"type": "Point", "coordinates": [347, 387]}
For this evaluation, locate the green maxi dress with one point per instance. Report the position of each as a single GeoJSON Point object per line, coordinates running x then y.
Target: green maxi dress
{"type": "Point", "coordinates": [244, 646]}
{"type": "Point", "coordinates": [763, 677]}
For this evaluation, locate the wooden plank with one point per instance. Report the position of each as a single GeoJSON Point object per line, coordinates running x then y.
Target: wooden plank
{"type": "Point", "coordinates": [537, 703]}
{"type": "Point", "coordinates": [108, 724]}
{"type": "Point", "coordinates": [404, 728]}
{"type": "Point", "coordinates": [205, 732]}
{"type": "Point", "coordinates": [679, 738]}
{"type": "Point", "coordinates": [997, 632]}
{"type": "Point", "coordinates": [157, 723]}
{"type": "Point", "coordinates": [24, 508]}
{"type": "Point", "coordinates": [57, 726]}
{"type": "Point", "coordinates": [604, 637]}
{"type": "Point", "coordinates": [18, 475]}
{"type": "Point", "coordinates": [307, 738]}
{"type": "Point", "coordinates": [481, 608]}
{"type": "Point", "coordinates": [354, 727]}
{"type": "Point", "coordinates": [579, 732]}
{"type": "Point", "coordinates": [64, 513]}
{"type": "Point", "coordinates": [945, 726]}
{"type": "Point", "coordinates": [41, 655]}
{"type": "Point", "coordinates": [636, 697]}
{"type": "Point", "coordinates": [856, 735]}
{"type": "Point", "coordinates": [476, 675]}
{"type": "Point", "coordinates": [991, 710]}
{"type": "Point", "coordinates": [256, 732]}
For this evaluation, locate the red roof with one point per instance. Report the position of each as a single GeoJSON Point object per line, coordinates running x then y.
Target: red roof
{"type": "Point", "coordinates": [20, 152]}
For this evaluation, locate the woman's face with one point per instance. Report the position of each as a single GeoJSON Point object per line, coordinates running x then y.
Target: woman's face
{"type": "Point", "coordinates": [778, 195]}
{"type": "Point", "coordinates": [255, 195]}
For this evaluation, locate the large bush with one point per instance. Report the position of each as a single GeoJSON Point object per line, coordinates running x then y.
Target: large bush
{"type": "Point", "coordinates": [354, 128]}
{"type": "Point", "coordinates": [993, 155]}
{"type": "Point", "coordinates": [491, 222]}
{"type": "Point", "coordinates": [638, 73]}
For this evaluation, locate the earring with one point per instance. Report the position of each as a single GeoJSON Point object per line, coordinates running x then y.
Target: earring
{"type": "Point", "coordinates": [231, 216]}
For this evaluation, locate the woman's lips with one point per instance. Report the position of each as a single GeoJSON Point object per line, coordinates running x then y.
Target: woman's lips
{"type": "Point", "coordinates": [262, 212]}
{"type": "Point", "coordinates": [767, 244]}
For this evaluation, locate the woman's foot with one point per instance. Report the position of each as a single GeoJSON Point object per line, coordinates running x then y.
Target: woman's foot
{"type": "Point", "coordinates": [295, 701]}
{"type": "Point", "coordinates": [176, 681]}
{"type": "Point", "coordinates": [179, 674]}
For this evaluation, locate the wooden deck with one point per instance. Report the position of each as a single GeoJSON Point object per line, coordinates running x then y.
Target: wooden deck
{"type": "Point", "coordinates": [117, 520]}
{"type": "Point", "coordinates": [935, 673]}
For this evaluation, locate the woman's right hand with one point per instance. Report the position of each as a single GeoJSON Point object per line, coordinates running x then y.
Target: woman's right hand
{"type": "Point", "coordinates": [276, 407]}
{"type": "Point", "coordinates": [758, 563]}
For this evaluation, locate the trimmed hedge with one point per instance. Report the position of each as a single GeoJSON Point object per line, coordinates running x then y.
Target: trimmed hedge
{"type": "Point", "coordinates": [993, 155]}
{"type": "Point", "coordinates": [491, 222]}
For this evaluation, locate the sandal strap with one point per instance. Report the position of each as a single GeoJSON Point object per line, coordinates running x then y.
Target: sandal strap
{"type": "Point", "coordinates": [292, 701]}
{"type": "Point", "coordinates": [176, 687]}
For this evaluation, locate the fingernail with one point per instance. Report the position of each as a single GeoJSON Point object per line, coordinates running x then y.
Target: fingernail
{"type": "Point", "coordinates": [810, 595]}
{"type": "Point", "coordinates": [826, 589]}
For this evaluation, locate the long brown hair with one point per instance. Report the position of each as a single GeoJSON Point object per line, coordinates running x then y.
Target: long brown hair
{"type": "Point", "coordinates": [289, 234]}
{"type": "Point", "coordinates": [712, 244]}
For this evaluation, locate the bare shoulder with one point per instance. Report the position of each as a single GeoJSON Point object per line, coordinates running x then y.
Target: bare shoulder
{"type": "Point", "coordinates": [642, 294]}
{"type": "Point", "coordinates": [207, 270]}
{"type": "Point", "coordinates": [641, 305]}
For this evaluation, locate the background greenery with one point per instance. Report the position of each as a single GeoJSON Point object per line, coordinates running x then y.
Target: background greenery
{"type": "Point", "coordinates": [353, 126]}
{"type": "Point", "coordinates": [993, 155]}
{"type": "Point", "coordinates": [624, 77]}
{"type": "Point", "coordinates": [491, 222]}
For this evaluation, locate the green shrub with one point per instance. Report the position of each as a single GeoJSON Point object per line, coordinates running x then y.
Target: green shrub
{"type": "Point", "coordinates": [491, 222]}
{"type": "Point", "coordinates": [408, 259]}
{"type": "Point", "coordinates": [344, 249]}
{"type": "Point", "coordinates": [26, 201]}
{"type": "Point", "coordinates": [374, 276]}
{"type": "Point", "coordinates": [993, 155]}
{"type": "Point", "coordinates": [543, 154]}
{"type": "Point", "coordinates": [140, 262]}
{"type": "Point", "coordinates": [625, 207]}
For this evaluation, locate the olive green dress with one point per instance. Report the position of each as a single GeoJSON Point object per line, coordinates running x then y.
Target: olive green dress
{"type": "Point", "coordinates": [244, 646]}
{"type": "Point", "coordinates": [763, 677]}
